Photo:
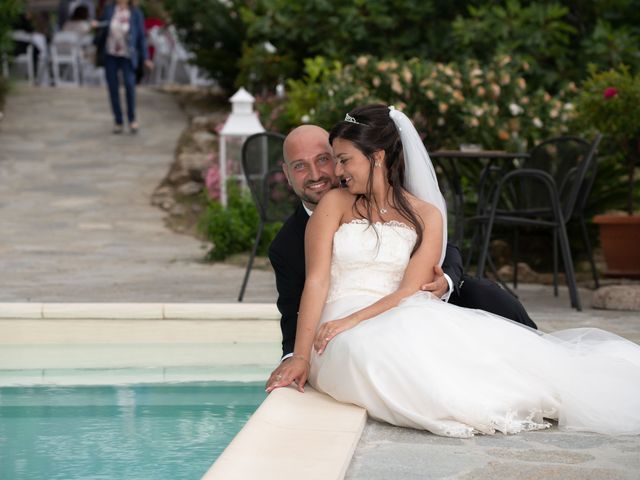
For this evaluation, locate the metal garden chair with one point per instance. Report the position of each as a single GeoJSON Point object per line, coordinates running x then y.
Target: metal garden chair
{"type": "Point", "coordinates": [548, 190]}
{"type": "Point", "coordinates": [262, 164]}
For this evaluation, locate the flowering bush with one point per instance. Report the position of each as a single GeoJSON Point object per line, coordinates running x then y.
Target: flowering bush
{"type": "Point", "coordinates": [212, 182]}
{"type": "Point", "coordinates": [610, 103]}
{"type": "Point", "coordinates": [451, 103]}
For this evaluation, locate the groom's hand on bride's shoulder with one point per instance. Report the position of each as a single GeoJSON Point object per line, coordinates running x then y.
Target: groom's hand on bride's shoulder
{"type": "Point", "coordinates": [439, 285]}
{"type": "Point", "coordinates": [293, 369]}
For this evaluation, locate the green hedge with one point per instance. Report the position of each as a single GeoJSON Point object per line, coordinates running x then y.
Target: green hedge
{"type": "Point", "coordinates": [9, 10]}
{"type": "Point", "coordinates": [233, 229]}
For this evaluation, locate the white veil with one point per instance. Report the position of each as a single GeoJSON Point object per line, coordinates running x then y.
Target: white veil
{"type": "Point", "coordinates": [419, 175]}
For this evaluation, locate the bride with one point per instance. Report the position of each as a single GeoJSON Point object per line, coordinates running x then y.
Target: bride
{"type": "Point", "coordinates": [366, 334]}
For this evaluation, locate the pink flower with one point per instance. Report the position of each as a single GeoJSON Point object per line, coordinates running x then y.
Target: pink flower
{"type": "Point", "coordinates": [212, 181]}
{"type": "Point", "coordinates": [610, 92]}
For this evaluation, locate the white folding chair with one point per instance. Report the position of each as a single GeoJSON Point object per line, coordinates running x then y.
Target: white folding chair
{"type": "Point", "coordinates": [66, 58]}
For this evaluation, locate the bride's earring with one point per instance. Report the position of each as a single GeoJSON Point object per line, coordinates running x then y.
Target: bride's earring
{"type": "Point", "coordinates": [377, 164]}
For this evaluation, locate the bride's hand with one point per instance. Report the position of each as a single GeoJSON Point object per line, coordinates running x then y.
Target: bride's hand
{"type": "Point", "coordinates": [329, 330]}
{"type": "Point", "coordinates": [293, 369]}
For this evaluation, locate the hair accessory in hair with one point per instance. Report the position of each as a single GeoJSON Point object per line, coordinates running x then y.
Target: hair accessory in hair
{"type": "Point", "coordinates": [350, 119]}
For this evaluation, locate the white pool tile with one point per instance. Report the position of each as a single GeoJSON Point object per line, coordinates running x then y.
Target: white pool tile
{"type": "Point", "coordinates": [263, 311]}
{"type": "Point", "coordinates": [102, 310]}
{"type": "Point", "coordinates": [21, 310]}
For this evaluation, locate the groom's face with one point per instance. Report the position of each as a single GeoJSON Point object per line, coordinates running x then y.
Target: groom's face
{"type": "Point", "coordinates": [308, 164]}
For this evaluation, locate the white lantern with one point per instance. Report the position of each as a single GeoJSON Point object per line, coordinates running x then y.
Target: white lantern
{"type": "Point", "coordinates": [242, 122]}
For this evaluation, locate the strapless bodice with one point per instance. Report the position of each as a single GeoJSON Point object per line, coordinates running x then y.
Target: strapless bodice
{"type": "Point", "coordinates": [369, 258]}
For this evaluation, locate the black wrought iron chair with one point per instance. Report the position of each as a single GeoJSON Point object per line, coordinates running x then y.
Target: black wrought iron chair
{"type": "Point", "coordinates": [549, 188]}
{"type": "Point", "coordinates": [262, 165]}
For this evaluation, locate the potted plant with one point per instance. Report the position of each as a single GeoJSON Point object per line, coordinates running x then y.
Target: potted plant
{"type": "Point", "coordinates": [610, 103]}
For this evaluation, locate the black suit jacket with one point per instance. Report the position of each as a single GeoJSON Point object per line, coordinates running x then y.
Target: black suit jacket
{"type": "Point", "coordinates": [286, 254]}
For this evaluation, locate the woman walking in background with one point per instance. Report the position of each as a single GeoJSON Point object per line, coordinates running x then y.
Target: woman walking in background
{"type": "Point", "coordinates": [123, 44]}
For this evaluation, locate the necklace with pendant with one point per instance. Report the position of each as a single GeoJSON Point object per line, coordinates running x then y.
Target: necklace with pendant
{"type": "Point", "coordinates": [383, 211]}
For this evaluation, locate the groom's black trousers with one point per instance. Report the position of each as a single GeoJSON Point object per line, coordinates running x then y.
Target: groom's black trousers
{"type": "Point", "coordinates": [486, 295]}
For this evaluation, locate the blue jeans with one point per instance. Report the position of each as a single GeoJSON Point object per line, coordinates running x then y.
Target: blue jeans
{"type": "Point", "coordinates": [112, 65]}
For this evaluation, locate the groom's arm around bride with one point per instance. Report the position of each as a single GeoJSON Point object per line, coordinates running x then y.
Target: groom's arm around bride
{"type": "Point", "coordinates": [309, 168]}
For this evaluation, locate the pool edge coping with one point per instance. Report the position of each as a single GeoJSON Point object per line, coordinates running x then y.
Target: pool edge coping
{"type": "Point", "coordinates": [281, 440]}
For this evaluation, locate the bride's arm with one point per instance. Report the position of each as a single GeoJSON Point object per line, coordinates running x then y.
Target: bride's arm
{"type": "Point", "coordinates": [318, 244]}
{"type": "Point", "coordinates": [318, 247]}
{"type": "Point", "coordinates": [418, 272]}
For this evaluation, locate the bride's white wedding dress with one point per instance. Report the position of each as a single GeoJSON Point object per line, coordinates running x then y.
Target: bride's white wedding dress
{"type": "Point", "coordinates": [454, 371]}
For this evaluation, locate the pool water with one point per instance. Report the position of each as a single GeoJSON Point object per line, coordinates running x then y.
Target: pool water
{"type": "Point", "coordinates": [166, 431]}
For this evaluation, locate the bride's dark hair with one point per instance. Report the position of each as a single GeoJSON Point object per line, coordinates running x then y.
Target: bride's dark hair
{"type": "Point", "coordinates": [371, 129]}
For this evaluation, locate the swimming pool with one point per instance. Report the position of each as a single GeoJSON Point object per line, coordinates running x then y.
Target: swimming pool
{"type": "Point", "coordinates": [152, 431]}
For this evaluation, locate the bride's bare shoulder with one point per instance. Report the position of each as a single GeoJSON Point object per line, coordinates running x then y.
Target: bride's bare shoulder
{"type": "Point", "coordinates": [335, 203]}
{"type": "Point", "coordinates": [427, 211]}
{"type": "Point", "coordinates": [336, 197]}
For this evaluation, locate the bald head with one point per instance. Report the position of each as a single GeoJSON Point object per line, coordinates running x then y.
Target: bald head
{"type": "Point", "coordinates": [308, 163]}
{"type": "Point", "coordinates": [304, 135]}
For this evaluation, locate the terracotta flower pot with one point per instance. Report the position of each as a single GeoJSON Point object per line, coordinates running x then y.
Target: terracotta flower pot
{"type": "Point", "coordinates": [620, 239]}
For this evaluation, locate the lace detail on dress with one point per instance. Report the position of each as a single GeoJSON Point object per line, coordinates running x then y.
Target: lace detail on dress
{"type": "Point", "coordinates": [369, 258]}
{"type": "Point", "coordinates": [390, 223]}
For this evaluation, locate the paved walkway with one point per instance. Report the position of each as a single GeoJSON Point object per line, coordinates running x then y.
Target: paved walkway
{"type": "Point", "coordinates": [77, 225]}
{"type": "Point", "coordinates": [76, 222]}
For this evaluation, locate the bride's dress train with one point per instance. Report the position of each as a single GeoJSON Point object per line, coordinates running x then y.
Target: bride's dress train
{"type": "Point", "coordinates": [454, 371]}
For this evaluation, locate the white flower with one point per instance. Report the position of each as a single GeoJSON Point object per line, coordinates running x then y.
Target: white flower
{"type": "Point", "coordinates": [515, 109]}
{"type": "Point", "coordinates": [568, 106]}
{"type": "Point", "coordinates": [537, 122]}
{"type": "Point", "coordinates": [305, 119]}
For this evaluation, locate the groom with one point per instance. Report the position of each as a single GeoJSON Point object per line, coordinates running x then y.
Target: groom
{"type": "Point", "coordinates": [309, 168]}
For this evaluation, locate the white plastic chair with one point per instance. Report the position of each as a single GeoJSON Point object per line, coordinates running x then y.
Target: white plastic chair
{"type": "Point", "coordinates": [161, 44]}
{"type": "Point", "coordinates": [89, 73]}
{"type": "Point", "coordinates": [66, 57]}
{"type": "Point", "coordinates": [25, 59]}
{"type": "Point", "coordinates": [181, 57]}
{"type": "Point", "coordinates": [40, 42]}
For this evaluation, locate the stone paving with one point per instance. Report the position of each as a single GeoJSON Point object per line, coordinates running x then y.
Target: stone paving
{"type": "Point", "coordinates": [77, 226]}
